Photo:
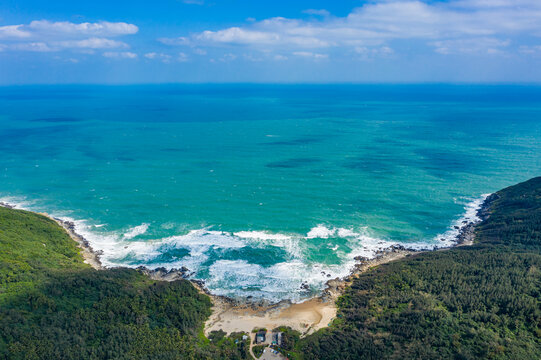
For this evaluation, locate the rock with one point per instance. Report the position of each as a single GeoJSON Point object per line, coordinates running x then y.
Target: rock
{"type": "Point", "coordinates": [361, 258]}
{"type": "Point", "coordinates": [163, 274]}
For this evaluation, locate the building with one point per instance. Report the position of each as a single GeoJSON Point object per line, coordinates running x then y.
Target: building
{"type": "Point", "coordinates": [277, 339]}
{"type": "Point", "coordinates": [260, 337]}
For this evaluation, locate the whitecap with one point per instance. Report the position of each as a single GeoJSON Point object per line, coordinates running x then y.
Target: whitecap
{"type": "Point", "coordinates": [136, 231]}
{"type": "Point", "coordinates": [239, 277]}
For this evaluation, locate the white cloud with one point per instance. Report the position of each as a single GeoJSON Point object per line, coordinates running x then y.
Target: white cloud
{"type": "Point", "coordinates": [318, 12]}
{"type": "Point", "coordinates": [193, 2]}
{"type": "Point", "coordinates": [252, 58]}
{"type": "Point", "coordinates": [13, 32]}
{"type": "Point", "coordinates": [470, 46]}
{"type": "Point", "coordinates": [280, 57]}
{"type": "Point", "coordinates": [456, 26]}
{"type": "Point", "coordinates": [368, 53]}
{"type": "Point", "coordinates": [181, 40]}
{"type": "Point", "coordinates": [309, 54]}
{"type": "Point", "coordinates": [239, 36]}
{"type": "Point", "coordinates": [182, 57]}
{"type": "Point", "coordinates": [66, 28]}
{"type": "Point", "coordinates": [201, 52]}
{"type": "Point", "coordinates": [44, 35]}
{"type": "Point", "coordinates": [120, 55]}
{"type": "Point", "coordinates": [530, 49]}
{"type": "Point", "coordinates": [228, 57]}
{"type": "Point", "coordinates": [92, 43]}
{"type": "Point", "coordinates": [31, 46]}
{"type": "Point", "coordinates": [158, 56]}
{"type": "Point", "coordinates": [166, 58]}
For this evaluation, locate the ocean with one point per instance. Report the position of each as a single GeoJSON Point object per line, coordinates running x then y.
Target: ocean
{"type": "Point", "coordinates": [259, 189]}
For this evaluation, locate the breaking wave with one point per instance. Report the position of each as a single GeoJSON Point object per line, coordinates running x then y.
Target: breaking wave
{"type": "Point", "coordinates": [216, 256]}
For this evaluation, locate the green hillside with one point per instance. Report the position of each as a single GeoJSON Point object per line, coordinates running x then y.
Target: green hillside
{"type": "Point", "coordinates": [477, 302]}
{"type": "Point", "coordinates": [53, 306]}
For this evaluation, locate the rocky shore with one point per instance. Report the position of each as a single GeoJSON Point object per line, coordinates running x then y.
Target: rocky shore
{"type": "Point", "coordinates": [232, 315]}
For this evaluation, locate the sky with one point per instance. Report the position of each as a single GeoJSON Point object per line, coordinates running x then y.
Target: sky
{"type": "Point", "coordinates": [279, 41]}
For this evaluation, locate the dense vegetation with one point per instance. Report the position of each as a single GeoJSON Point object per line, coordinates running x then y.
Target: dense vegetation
{"type": "Point", "coordinates": [482, 301]}
{"type": "Point", "coordinates": [53, 306]}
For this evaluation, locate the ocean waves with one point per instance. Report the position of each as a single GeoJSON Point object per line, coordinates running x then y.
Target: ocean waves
{"type": "Point", "coordinates": [251, 263]}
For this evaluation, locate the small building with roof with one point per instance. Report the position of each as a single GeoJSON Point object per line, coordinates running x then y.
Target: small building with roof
{"type": "Point", "coordinates": [260, 336]}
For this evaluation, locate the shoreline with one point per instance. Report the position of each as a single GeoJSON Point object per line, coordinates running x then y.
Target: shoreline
{"type": "Point", "coordinates": [318, 312]}
{"type": "Point", "coordinates": [305, 317]}
{"type": "Point", "coordinates": [90, 256]}
{"type": "Point", "coordinates": [235, 315]}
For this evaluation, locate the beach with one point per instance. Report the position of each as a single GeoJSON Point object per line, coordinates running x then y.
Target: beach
{"type": "Point", "coordinates": [305, 317]}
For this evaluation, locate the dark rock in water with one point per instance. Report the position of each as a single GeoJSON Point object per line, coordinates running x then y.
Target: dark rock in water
{"type": "Point", "coordinates": [467, 231]}
{"type": "Point", "coordinates": [304, 286]}
{"type": "Point", "coordinates": [3, 204]}
{"type": "Point", "coordinates": [361, 258]}
{"type": "Point", "coordinates": [397, 248]}
{"type": "Point", "coordinates": [328, 275]}
{"type": "Point", "coordinates": [199, 282]}
{"type": "Point", "coordinates": [456, 227]}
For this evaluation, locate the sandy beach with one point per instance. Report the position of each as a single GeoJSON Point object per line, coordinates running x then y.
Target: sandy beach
{"type": "Point", "coordinates": [315, 313]}
{"type": "Point", "coordinates": [306, 317]}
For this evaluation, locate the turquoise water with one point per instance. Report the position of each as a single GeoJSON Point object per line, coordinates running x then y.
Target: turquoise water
{"type": "Point", "coordinates": [258, 188]}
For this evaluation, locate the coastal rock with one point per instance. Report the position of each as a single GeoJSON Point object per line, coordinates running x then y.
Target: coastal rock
{"type": "Point", "coordinates": [3, 204]}
{"type": "Point", "coordinates": [163, 274]}
{"type": "Point", "coordinates": [361, 258]}
{"type": "Point", "coordinates": [466, 235]}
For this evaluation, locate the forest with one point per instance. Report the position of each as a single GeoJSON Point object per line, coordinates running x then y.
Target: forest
{"type": "Point", "coordinates": [471, 302]}
{"type": "Point", "coordinates": [54, 306]}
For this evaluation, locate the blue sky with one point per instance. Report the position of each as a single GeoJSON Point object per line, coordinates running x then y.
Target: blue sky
{"type": "Point", "coordinates": [270, 41]}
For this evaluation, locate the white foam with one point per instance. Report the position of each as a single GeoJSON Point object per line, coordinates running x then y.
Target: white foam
{"type": "Point", "coordinates": [240, 277]}
{"type": "Point", "coordinates": [323, 232]}
{"type": "Point", "coordinates": [320, 231]}
{"type": "Point", "coordinates": [136, 231]}
{"type": "Point", "coordinates": [450, 237]}
{"type": "Point", "coordinates": [290, 243]}
{"type": "Point", "coordinates": [18, 202]}
{"type": "Point", "coordinates": [273, 283]}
